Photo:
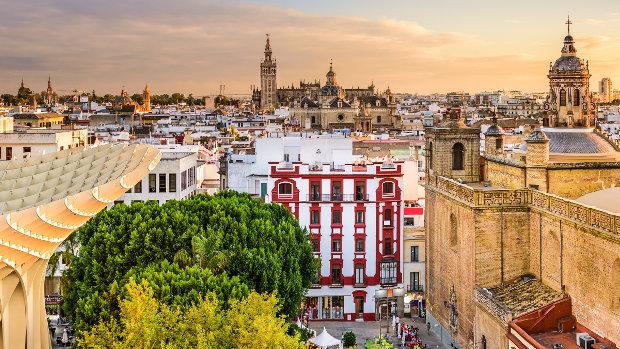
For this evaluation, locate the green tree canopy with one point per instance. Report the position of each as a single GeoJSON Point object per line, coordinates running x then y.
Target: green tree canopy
{"type": "Point", "coordinates": [228, 243]}
{"type": "Point", "coordinates": [146, 322]}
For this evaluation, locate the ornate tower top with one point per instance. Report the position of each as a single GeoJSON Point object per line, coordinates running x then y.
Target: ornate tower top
{"type": "Point", "coordinates": [22, 84]}
{"type": "Point", "coordinates": [267, 49]}
{"type": "Point", "coordinates": [49, 82]}
{"type": "Point", "coordinates": [569, 43]}
{"type": "Point", "coordinates": [331, 75]}
{"type": "Point", "coordinates": [147, 90]}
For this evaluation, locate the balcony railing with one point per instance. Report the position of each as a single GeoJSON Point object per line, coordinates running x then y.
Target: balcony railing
{"type": "Point", "coordinates": [415, 288]}
{"type": "Point", "coordinates": [337, 197]}
{"type": "Point", "coordinates": [390, 280]}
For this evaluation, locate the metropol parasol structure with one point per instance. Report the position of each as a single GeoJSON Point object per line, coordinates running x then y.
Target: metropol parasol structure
{"type": "Point", "coordinates": [43, 199]}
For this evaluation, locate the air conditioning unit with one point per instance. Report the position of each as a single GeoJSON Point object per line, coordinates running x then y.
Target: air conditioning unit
{"type": "Point", "coordinates": [585, 341]}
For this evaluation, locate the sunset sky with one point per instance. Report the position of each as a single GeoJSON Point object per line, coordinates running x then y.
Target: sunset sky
{"type": "Point", "coordinates": [196, 45]}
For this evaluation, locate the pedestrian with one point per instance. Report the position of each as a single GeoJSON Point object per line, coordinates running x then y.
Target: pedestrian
{"type": "Point", "coordinates": [428, 327]}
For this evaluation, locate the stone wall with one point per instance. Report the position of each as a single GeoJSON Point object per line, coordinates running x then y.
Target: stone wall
{"type": "Point", "coordinates": [505, 176]}
{"type": "Point", "coordinates": [580, 251]}
{"type": "Point", "coordinates": [502, 245]}
{"type": "Point", "coordinates": [573, 183]}
{"type": "Point", "coordinates": [491, 328]}
{"type": "Point", "coordinates": [450, 264]}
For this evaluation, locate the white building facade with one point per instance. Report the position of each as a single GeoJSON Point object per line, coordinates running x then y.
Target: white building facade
{"type": "Point", "coordinates": [354, 215]}
{"type": "Point", "coordinates": [175, 177]}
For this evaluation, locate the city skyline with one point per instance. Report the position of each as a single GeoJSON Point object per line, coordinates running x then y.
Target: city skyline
{"type": "Point", "coordinates": [194, 47]}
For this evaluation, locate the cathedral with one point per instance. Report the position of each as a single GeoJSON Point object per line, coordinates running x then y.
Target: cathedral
{"type": "Point", "coordinates": [523, 247]}
{"type": "Point", "coordinates": [126, 105]}
{"type": "Point", "coordinates": [326, 107]}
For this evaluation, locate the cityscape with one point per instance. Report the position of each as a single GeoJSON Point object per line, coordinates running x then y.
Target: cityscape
{"type": "Point", "coordinates": [339, 175]}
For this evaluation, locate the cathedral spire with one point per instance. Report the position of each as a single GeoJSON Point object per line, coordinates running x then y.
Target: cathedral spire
{"type": "Point", "coordinates": [49, 82]}
{"type": "Point", "coordinates": [22, 84]}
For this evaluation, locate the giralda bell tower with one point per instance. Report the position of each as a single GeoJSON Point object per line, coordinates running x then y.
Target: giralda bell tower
{"type": "Point", "coordinates": [268, 95]}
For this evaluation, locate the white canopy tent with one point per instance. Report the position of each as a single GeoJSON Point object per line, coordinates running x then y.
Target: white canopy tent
{"type": "Point", "coordinates": [325, 340]}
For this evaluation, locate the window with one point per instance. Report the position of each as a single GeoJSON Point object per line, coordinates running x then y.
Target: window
{"type": "Point", "coordinates": [172, 182]}
{"type": "Point", "coordinates": [359, 245]}
{"type": "Point", "coordinates": [315, 191]}
{"type": "Point", "coordinates": [287, 157]}
{"type": "Point", "coordinates": [498, 144]}
{"type": "Point", "coordinates": [359, 216]}
{"type": "Point", "coordinates": [415, 253]}
{"type": "Point", "coordinates": [315, 217]}
{"type": "Point", "coordinates": [315, 245]}
{"type": "Point", "coordinates": [27, 150]}
{"type": "Point", "coordinates": [152, 183]}
{"type": "Point", "coordinates": [387, 217]}
{"type": "Point", "coordinates": [576, 98]}
{"type": "Point", "coordinates": [388, 188]}
{"type": "Point", "coordinates": [138, 187]}
{"type": "Point", "coordinates": [9, 153]}
{"type": "Point", "coordinates": [336, 274]}
{"type": "Point", "coordinates": [562, 97]}
{"type": "Point", "coordinates": [313, 119]}
{"type": "Point", "coordinates": [183, 180]}
{"type": "Point", "coordinates": [336, 217]}
{"type": "Point", "coordinates": [387, 247]}
{"type": "Point", "coordinates": [414, 281]}
{"type": "Point", "coordinates": [359, 274]}
{"type": "Point", "coordinates": [285, 188]}
{"type": "Point", "coordinates": [458, 153]}
{"type": "Point", "coordinates": [336, 246]}
{"type": "Point", "coordinates": [191, 174]}
{"type": "Point", "coordinates": [453, 230]}
{"type": "Point", "coordinates": [409, 221]}
{"type": "Point", "coordinates": [336, 191]}
{"type": "Point", "coordinates": [378, 117]}
{"type": "Point", "coordinates": [388, 272]}
{"type": "Point", "coordinates": [359, 191]}
{"type": "Point", "coordinates": [162, 182]}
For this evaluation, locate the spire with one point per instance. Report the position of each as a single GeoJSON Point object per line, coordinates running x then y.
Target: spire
{"type": "Point", "coordinates": [569, 43]}
{"type": "Point", "coordinates": [568, 23]}
{"type": "Point", "coordinates": [268, 49]}
{"type": "Point", "coordinates": [22, 85]}
{"type": "Point", "coordinates": [49, 81]}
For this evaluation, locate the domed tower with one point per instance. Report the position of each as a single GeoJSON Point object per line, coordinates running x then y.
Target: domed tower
{"type": "Point", "coordinates": [331, 76]}
{"type": "Point", "coordinates": [494, 139]}
{"type": "Point", "coordinates": [569, 103]}
{"type": "Point", "coordinates": [146, 99]}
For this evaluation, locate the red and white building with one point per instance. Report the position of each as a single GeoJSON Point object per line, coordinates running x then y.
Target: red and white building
{"type": "Point", "coordinates": [354, 215]}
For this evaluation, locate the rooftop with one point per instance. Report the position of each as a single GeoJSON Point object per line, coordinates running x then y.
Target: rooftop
{"type": "Point", "coordinates": [517, 297]}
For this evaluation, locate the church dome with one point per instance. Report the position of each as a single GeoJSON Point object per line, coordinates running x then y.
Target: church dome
{"type": "Point", "coordinates": [567, 64]}
{"type": "Point", "coordinates": [494, 130]}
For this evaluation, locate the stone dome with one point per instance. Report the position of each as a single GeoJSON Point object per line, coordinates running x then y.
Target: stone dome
{"type": "Point", "coordinates": [567, 64]}
{"type": "Point", "coordinates": [494, 130]}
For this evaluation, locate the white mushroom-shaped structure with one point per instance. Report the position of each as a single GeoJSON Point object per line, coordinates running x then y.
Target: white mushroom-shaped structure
{"type": "Point", "coordinates": [42, 200]}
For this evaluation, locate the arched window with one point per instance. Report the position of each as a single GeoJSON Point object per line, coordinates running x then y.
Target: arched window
{"type": "Point", "coordinates": [483, 342]}
{"type": "Point", "coordinates": [430, 155]}
{"type": "Point", "coordinates": [453, 230]}
{"type": "Point", "coordinates": [388, 188]}
{"type": "Point", "coordinates": [458, 155]}
{"type": "Point", "coordinates": [340, 117]}
{"type": "Point", "coordinates": [576, 97]}
{"type": "Point", "coordinates": [378, 118]}
{"type": "Point", "coordinates": [285, 188]}
{"type": "Point", "coordinates": [498, 144]}
{"type": "Point", "coordinates": [562, 98]}
{"type": "Point", "coordinates": [313, 120]}
{"type": "Point", "coordinates": [615, 292]}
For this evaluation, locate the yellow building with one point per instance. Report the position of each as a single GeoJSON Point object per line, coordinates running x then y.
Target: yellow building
{"type": "Point", "coordinates": [38, 119]}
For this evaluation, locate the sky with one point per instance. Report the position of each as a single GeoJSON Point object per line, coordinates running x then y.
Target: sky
{"type": "Point", "coordinates": [194, 46]}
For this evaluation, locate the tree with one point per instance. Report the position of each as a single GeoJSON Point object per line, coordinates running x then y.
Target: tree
{"type": "Point", "coordinates": [348, 340]}
{"type": "Point", "coordinates": [379, 343]}
{"type": "Point", "coordinates": [228, 243]}
{"type": "Point", "coordinates": [146, 322]}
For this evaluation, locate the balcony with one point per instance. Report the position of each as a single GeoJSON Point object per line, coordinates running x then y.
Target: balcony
{"type": "Point", "coordinates": [415, 288]}
{"type": "Point", "coordinates": [337, 197]}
